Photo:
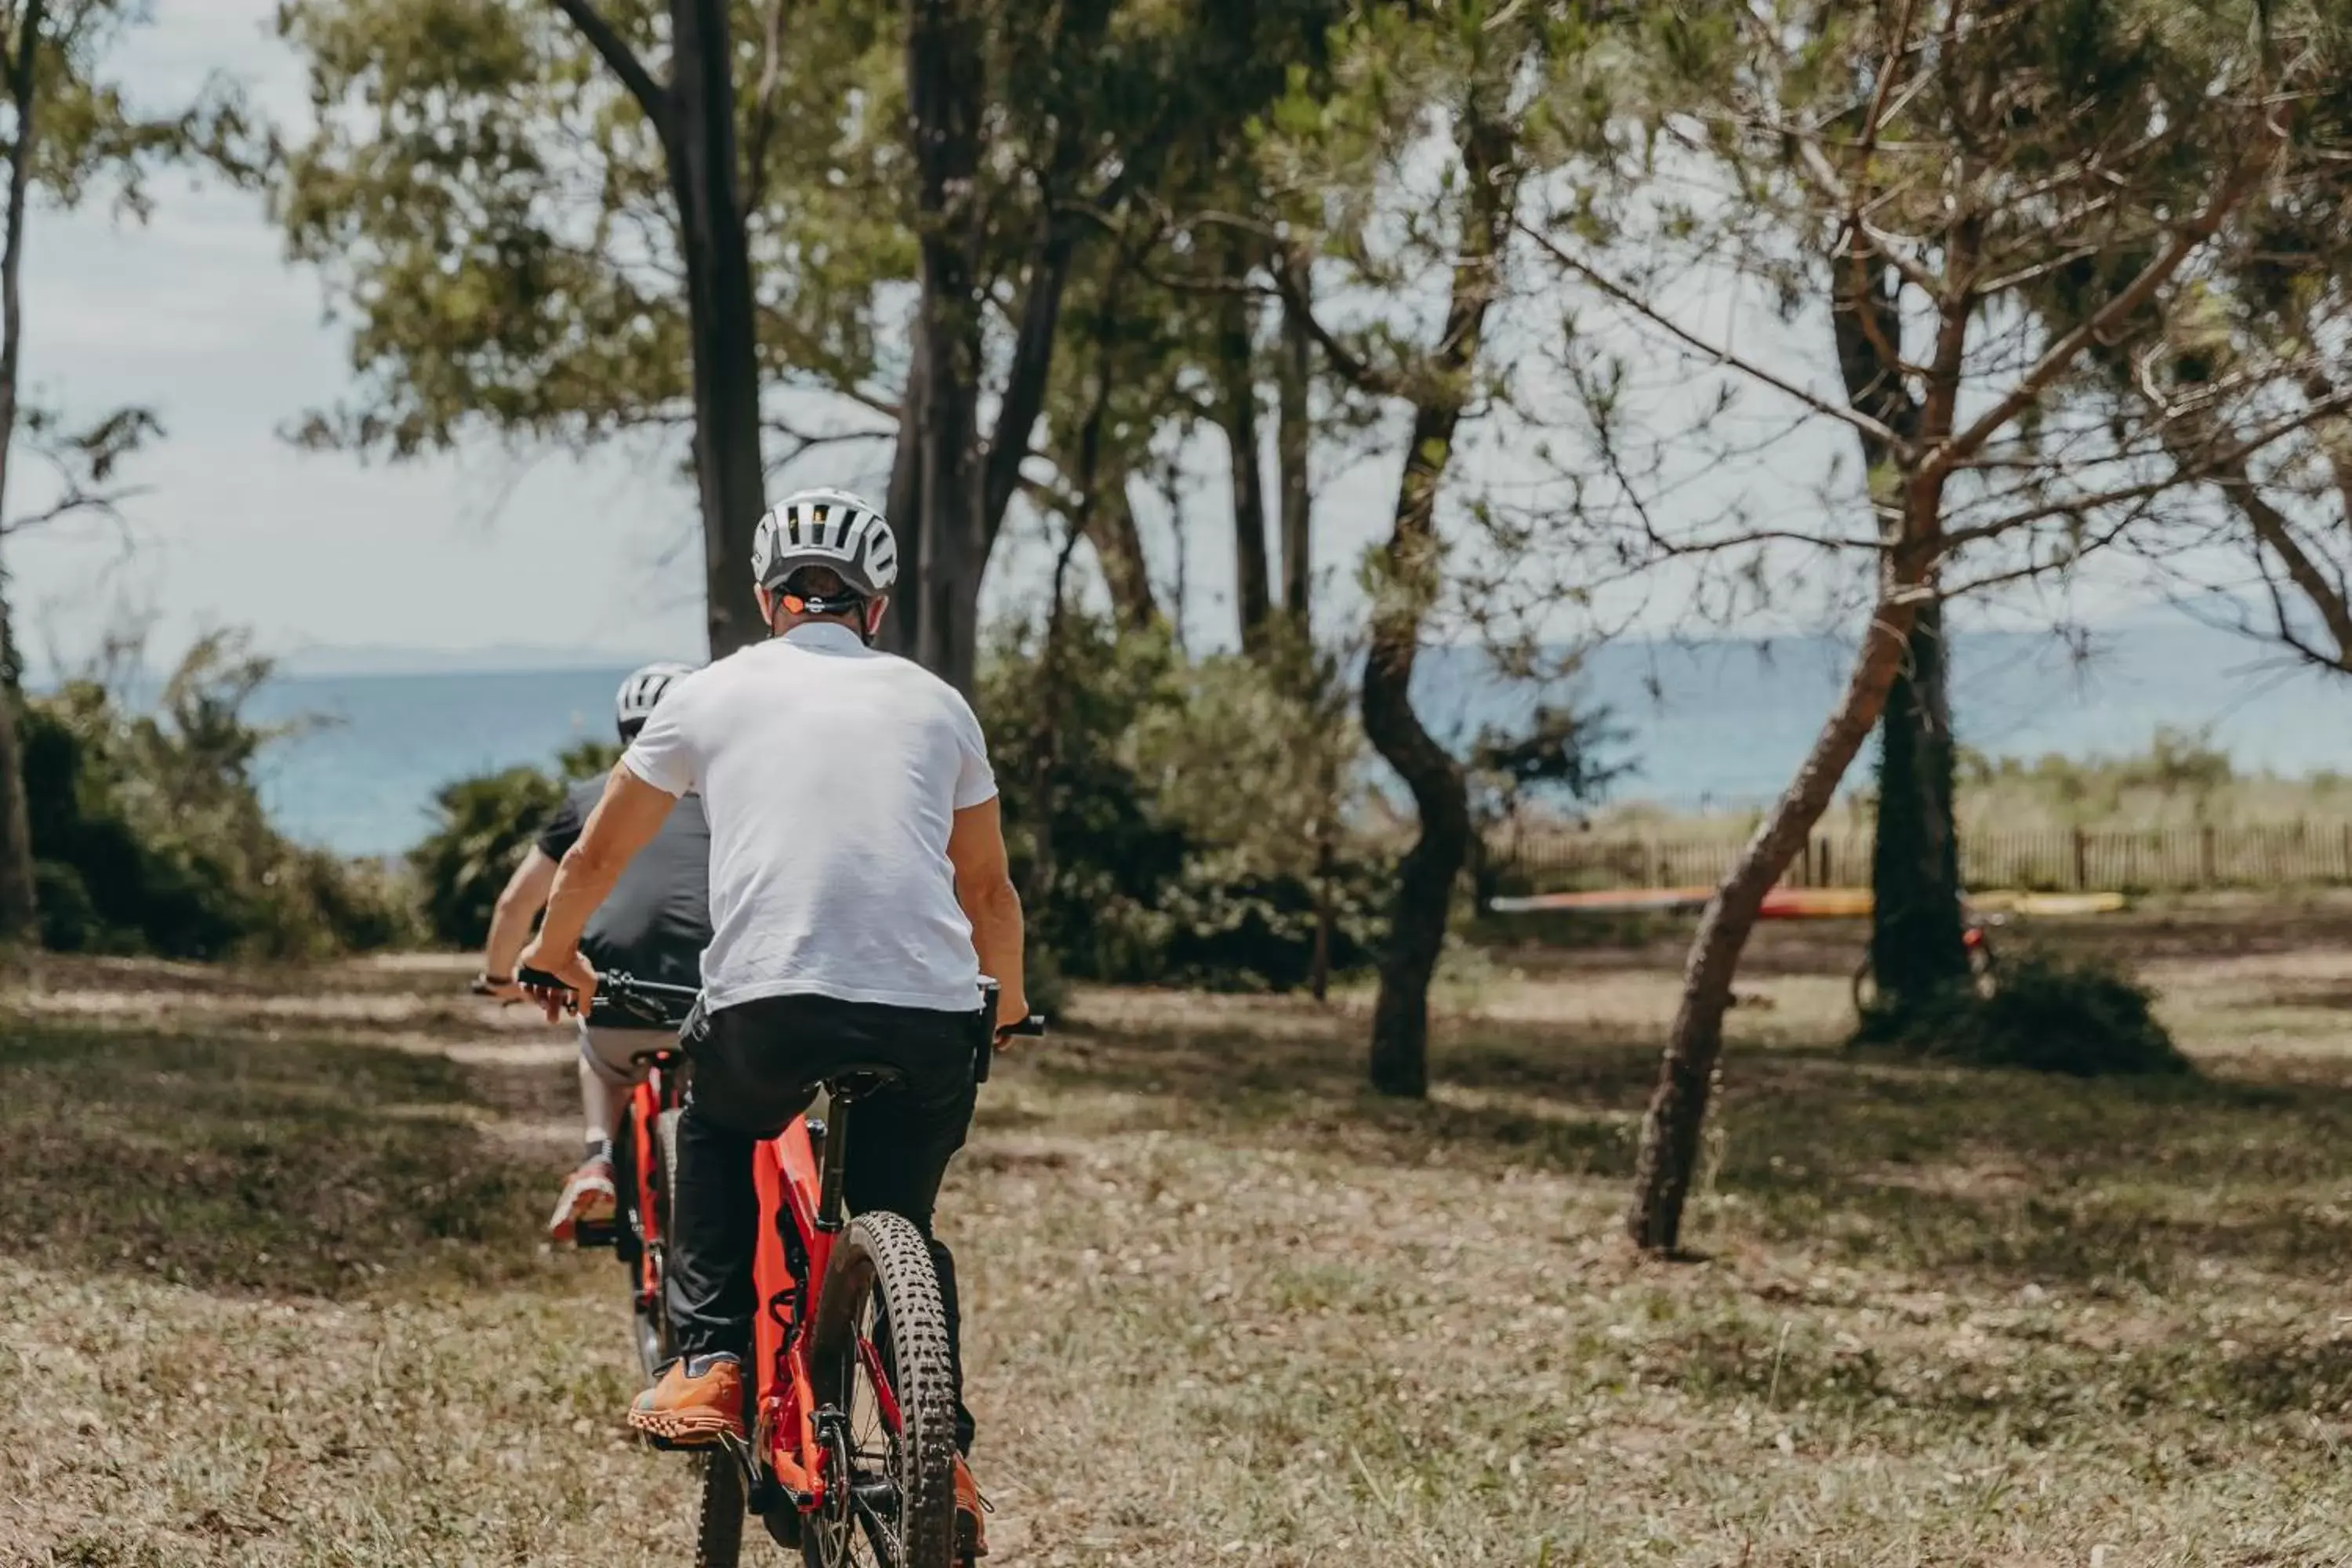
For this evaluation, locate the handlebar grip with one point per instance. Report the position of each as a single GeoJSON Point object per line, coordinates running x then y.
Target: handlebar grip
{"type": "Point", "coordinates": [540, 980]}
{"type": "Point", "coordinates": [1031, 1028]}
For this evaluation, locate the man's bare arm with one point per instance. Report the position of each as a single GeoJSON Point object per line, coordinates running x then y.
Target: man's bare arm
{"type": "Point", "coordinates": [983, 885]}
{"type": "Point", "coordinates": [519, 904]}
{"type": "Point", "coordinates": [624, 821]}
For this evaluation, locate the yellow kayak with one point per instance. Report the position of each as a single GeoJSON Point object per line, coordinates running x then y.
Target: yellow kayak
{"type": "Point", "coordinates": [2056, 904]}
{"type": "Point", "coordinates": [1799, 903]}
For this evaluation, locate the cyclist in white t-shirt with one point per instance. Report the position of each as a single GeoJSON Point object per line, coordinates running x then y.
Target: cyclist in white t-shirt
{"type": "Point", "coordinates": [858, 890]}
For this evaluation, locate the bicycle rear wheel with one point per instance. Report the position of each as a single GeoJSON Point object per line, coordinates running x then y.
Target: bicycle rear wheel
{"type": "Point", "coordinates": [718, 1523]}
{"type": "Point", "coordinates": [879, 1357]}
{"type": "Point", "coordinates": [650, 1232]}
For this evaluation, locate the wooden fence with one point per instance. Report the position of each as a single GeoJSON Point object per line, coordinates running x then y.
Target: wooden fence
{"type": "Point", "coordinates": [2169, 859]}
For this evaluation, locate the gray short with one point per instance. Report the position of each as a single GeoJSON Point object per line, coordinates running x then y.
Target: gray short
{"type": "Point", "coordinates": [609, 1052]}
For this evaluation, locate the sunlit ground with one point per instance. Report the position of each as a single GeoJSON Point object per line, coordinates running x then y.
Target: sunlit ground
{"type": "Point", "coordinates": [272, 1292]}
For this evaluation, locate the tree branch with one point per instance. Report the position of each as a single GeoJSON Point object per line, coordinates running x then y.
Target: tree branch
{"type": "Point", "coordinates": [763, 104]}
{"type": "Point", "coordinates": [1714, 351]}
{"type": "Point", "coordinates": [1353, 368]}
{"type": "Point", "coordinates": [74, 501]}
{"type": "Point", "coordinates": [2060, 355]}
{"type": "Point", "coordinates": [614, 49]}
{"type": "Point", "coordinates": [2276, 534]}
{"type": "Point", "coordinates": [2187, 469]}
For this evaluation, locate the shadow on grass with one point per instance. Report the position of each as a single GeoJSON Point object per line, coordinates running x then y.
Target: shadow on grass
{"type": "Point", "coordinates": [252, 1164]}
{"type": "Point", "coordinates": [2003, 1177]}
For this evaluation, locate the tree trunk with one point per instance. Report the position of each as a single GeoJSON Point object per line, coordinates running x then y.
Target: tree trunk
{"type": "Point", "coordinates": [1294, 440]}
{"type": "Point", "coordinates": [1918, 944]}
{"type": "Point", "coordinates": [948, 495]}
{"type": "Point", "coordinates": [943, 105]}
{"type": "Point", "coordinates": [18, 914]}
{"type": "Point", "coordinates": [1425, 877]}
{"type": "Point", "coordinates": [1409, 583]}
{"type": "Point", "coordinates": [1677, 1112]}
{"type": "Point", "coordinates": [722, 318]}
{"type": "Point", "coordinates": [1237, 413]}
{"type": "Point", "coordinates": [1118, 551]}
{"type": "Point", "coordinates": [902, 627]}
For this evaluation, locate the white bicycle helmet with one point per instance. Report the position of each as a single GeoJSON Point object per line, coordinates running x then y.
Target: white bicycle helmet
{"type": "Point", "coordinates": [826, 528]}
{"type": "Point", "coordinates": [634, 703]}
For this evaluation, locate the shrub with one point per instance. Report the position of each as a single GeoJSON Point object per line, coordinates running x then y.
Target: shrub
{"type": "Point", "coordinates": [149, 835]}
{"type": "Point", "coordinates": [1175, 820]}
{"type": "Point", "coordinates": [483, 826]}
{"type": "Point", "coordinates": [2085, 1017]}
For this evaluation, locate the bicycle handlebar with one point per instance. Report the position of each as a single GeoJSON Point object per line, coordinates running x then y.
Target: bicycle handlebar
{"type": "Point", "coordinates": [644, 996]}
{"type": "Point", "coordinates": [649, 999]}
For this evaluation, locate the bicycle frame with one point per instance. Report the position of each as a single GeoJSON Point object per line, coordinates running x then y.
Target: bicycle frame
{"type": "Point", "coordinates": [794, 1249]}
{"type": "Point", "coordinates": [798, 1177]}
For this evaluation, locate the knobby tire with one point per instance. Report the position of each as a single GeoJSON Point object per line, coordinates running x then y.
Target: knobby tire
{"type": "Point", "coordinates": [718, 1525]}
{"type": "Point", "coordinates": [885, 1253]}
{"type": "Point", "coordinates": [719, 1531]}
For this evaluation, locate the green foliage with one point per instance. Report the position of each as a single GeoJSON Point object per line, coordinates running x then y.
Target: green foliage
{"type": "Point", "coordinates": [497, 212]}
{"type": "Point", "coordinates": [1186, 812]}
{"type": "Point", "coordinates": [2086, 1017]}
{"type": "Point", "coordinates": [587, 760]}
{"type": "Point", "coordinates": [149, 835]}
{"type": "Point", "coordinates": [482, 828]}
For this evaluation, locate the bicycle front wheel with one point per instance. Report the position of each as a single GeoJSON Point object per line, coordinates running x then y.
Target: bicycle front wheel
{"type": "Point", "coordinates": [718, 1527]}
{"type": "Point", "coordinates": [878, 1353]}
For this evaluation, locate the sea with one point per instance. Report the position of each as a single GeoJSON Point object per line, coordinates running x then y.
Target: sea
{"type": "Point", "coordinates": [1703, 725]}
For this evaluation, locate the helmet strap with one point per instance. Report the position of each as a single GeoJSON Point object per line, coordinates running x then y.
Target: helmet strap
{"type": "Point", "coordinates": [850, 604]}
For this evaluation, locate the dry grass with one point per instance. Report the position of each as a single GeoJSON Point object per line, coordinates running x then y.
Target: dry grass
{"type": "Point", "coordinates": [271, 1294]}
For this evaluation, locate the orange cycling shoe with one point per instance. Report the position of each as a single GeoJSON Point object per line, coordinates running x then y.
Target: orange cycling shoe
{"type": "Point", "coordinates": [698, 1401]}
{"type": "Point", "coordinates": [971, 1530]}
{"type": "Point", "coordinates": [588, 1198]}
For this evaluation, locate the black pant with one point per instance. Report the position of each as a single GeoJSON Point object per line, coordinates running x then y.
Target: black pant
{"type": "Point", "coordinates": [756, 1067]}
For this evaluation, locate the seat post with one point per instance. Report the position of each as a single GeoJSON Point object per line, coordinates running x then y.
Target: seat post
{"type": "Point", "coordinates": [836, 1151]}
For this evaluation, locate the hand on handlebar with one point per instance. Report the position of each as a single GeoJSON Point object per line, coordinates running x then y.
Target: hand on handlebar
{"type": "Point", "coordinates": [1011, 1017]}
{"type": "Point", "coordinates": [576, 973]}
{"type": "Point", "coordinates": [1030, 1026]}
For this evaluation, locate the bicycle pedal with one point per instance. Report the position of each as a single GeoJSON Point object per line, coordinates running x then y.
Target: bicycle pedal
{"type": "Point", "coordinates": [595, 1233]}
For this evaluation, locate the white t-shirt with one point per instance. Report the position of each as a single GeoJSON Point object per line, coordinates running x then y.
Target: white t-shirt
{"type": "Point", "coordinates": [831, 774]}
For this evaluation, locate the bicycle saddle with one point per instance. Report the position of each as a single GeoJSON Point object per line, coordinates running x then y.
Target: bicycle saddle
{"type": "Point", "coordinates": [860, 1079]}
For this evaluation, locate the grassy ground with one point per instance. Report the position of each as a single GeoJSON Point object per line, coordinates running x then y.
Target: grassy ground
{"type": "Point", "coordinates": [271, 1293]}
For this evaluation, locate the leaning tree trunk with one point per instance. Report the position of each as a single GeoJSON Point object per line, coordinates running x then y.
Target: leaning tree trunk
{"type": "Point", "coordinates": [722, 318]}
{"type": "Point", "coordinates": [18, 914]}
{"type": "Point", "coordinates": [1918, 944]}
{"type": "Point", "coordinates": [1118, 551]}
{"type": "Point", "coordinates": [1677, 1112]}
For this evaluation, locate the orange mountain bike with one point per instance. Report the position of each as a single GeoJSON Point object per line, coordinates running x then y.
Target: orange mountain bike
{"type": "Point", "coordinates": [642, 1156]}
{"type": "Point", "coordinates": [852, 1396]}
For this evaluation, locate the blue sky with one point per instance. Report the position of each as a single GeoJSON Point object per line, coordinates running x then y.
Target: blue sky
{"type": "Point", "coordinates": [197, 313]}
